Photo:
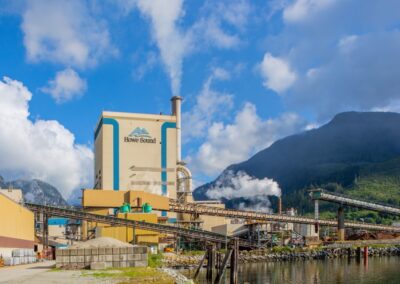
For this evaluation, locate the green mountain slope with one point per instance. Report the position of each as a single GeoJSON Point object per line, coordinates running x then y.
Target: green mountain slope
{"type": "Point", "coordinates": [356, 154]}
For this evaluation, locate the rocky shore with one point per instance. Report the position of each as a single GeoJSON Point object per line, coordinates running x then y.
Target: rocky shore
{"type": "Point", "coordinates": [265, 255]}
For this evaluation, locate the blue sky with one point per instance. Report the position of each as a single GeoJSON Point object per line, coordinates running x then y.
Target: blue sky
{"type": "Point", "coordinates": [250, 73]}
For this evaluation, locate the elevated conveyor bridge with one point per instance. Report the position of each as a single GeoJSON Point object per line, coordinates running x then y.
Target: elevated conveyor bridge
{"type": "Point", "coordinates": [82, 215]}
{"type": "Point", "coordinates": [192, 208]}
{"type": "Point", "coordinates": [320, 194]}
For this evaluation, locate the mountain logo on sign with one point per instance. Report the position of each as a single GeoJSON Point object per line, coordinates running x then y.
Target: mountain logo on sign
{"type": "Point", "coordinates": [140, 132]}
{"type": "Point", "coordinates": [140, 135]}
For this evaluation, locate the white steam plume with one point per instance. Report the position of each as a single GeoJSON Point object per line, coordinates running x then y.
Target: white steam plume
{"type": "Point", "coordinates": [240, 185]}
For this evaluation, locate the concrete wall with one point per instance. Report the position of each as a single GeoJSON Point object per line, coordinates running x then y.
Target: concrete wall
{"type": "Point", "coordinates": [16, 226]}
{"type": "Point", "coordinates": [211, 221]}
{"type": "Point", "coordinates": [14, 194]}
{"type": "Point", "coordinates": [227, 229]}
{"type": "Point", "coordinates": [305, 230]}
{"type": "Point", "coordinates": [109, 257]}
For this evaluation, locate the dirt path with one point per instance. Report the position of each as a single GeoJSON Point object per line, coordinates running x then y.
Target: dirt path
{"type": "Point", "coordinates": [40, 273]}
{"type": "Point", "coordinates": [19, 273]}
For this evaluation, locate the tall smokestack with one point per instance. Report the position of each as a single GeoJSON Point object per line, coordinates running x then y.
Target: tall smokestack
{"type": "Point", "coordinates": [279, 205]}
{"type": "Point", "coordinates": [176, 111]}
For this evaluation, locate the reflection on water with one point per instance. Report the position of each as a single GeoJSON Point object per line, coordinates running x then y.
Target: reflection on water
{"type": "Point", "coordinates": [339, 271]}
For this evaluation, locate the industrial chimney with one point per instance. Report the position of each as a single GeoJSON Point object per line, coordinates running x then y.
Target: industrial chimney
{"type": "Point", "coordinates": [176, 111]}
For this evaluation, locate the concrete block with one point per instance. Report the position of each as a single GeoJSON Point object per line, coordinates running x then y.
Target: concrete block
{"type": "Point", "coordinates": [96, 258]}
{"type": "Point", "coordinates": [66, 259]}
{"type": "Point", "coordinates": [140, 263]}
{"type": "Point", "coordinates": [123, 264]}
{"type": "Point", "coordinates": [134, 257]}
{"type": "Point", "coordinates": [130, 250]}
{"type": "Point", "coordinates": [88, 251]}
{"type": "Point", "coordinates": [109, 251]}
{"type": "Point", "coordinates": [80, 258]}
{"type": "Point", "coordinates": [66, 252]}
{"type": "Point", "coordinates": [109, 257]}
{"type": "Point", "coordinates": [136, 250]}
{"type": "Point", "coordinates": [73, 252]}
{"type": "Point", "coordinates": [88, 258]}
{"type": "Point", "coordinates": [80, 265]}
{"type": "Point", "coordinates": [95, 251]}
{"type": "Point", "coordinates": [143, 256]}
{"type": "Point", "coordinates": [59, 252]}
{"type": "Point", "coordinates": [73, 259]}
{"type": "Point", "coordinates": [102, 251]}
{"type": "Point", "coordinates": [98, 265]}
{"type": "Point", "coordinates": [115, 257]}
{"type": "Point", "coordinates": [123, 257]}
{"type": "Point", "coordinates": [131, 263]}
{"type": "Point", "coordinates": [80, 252]}
{"type": "Point", "coordinates": [109, 264]}
{"type": "Point", "coordinates": [123, 250]}
{"type": "Point", "coordinates": [116, 264]}
{"type": "Point", "coordinates": [115, 250]}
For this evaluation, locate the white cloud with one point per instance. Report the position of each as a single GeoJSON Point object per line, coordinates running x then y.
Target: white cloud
{"type": "Point", "coordinates": [302, 9]}
{"type": "Point", "coordinates": [226, 144]}
{"type": "Point", "coordinates": [392, 106]}
{"type": "Point", "coordinates": [210, 105]}
{"type": "Point", "coordinates": [350, 64]}
{"type": "Point", "coordinates": [221, 24]}
{"type": "Point", "coordinates": [241, 185]}
{"type": "Point", "coordinates": [346, 44]}
{"type": "Point", "coordinates": [170, 40]}
{"type": "Point", "coordinates": [64, 32]}
{"type": "Point", "coordinates": [361, 73]}
{"type": "Point", "coordinates": [42, 149]}
{"type": "Point", "coordinates": [66, 85]}
{"type": "Point", "coordinates": [209, 30]}
{"type": "Point", "coordinates": [277, 73]}
{"type": "Point", "coordinates": [151, 60]}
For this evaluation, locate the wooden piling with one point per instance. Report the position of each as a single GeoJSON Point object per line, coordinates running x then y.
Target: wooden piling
{"type": "Point", "coordinates": [200, 266]}
{"type": "Point", "coordinates": [223, 266]}
{"type": "Point", "coordinates": [365, 255]}
{"type": "Point", "coordinates": [210, 262]}
{"type": "Point", "coordinates": [358, 253]}
{"type": "Point", "coordinates": [234, 262]}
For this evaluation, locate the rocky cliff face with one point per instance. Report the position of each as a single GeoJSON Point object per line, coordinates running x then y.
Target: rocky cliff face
{"type": "Point", "coordinates": [36, 191]}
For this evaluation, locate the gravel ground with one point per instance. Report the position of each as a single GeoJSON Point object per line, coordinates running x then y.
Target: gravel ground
{"type": "Point", "coordinates": [44, 273]}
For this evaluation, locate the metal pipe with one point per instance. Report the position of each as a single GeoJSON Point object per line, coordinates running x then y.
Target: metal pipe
{"type": "Point", "coordinates": [187, 177]}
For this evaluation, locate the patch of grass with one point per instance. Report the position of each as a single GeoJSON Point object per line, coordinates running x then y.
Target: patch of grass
{"type": "Point", "coordinates": [133, 274]}
{"type": "Point", "coordinates": [155, 260]}
{"type": "Point", "coordinates": [282, 249]}
{"type": "Point", "coordinates": [193, 252]}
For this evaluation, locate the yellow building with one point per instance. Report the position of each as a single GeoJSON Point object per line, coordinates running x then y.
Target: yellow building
{"type": "Point", "coordinates": [16, 224]}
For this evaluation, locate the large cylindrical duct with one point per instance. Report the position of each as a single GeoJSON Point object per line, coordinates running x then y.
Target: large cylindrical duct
{"type": "Point", "coordinates": [176, 111]}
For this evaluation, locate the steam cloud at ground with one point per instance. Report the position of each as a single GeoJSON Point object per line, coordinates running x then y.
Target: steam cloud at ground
{"type": "Point", "coordinates": [241, 185]}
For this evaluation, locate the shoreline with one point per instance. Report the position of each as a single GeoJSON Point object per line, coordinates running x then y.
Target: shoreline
{"type": "Point", "coordinates": [188, 261]}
